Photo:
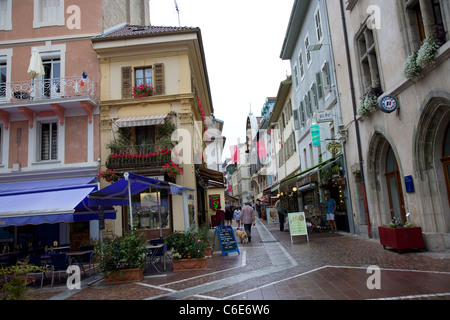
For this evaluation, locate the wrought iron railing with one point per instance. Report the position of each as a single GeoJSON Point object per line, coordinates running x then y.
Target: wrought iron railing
{"type": "Point", "coordinates": [45, 89]}
{"type": "Point", "coordinates": [135, 156]}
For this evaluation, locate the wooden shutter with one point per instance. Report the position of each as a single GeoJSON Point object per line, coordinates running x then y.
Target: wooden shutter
{"type": "Point", "coordinates": [127, 82]}
{"type": "Point", "coordinates": [159, 79]}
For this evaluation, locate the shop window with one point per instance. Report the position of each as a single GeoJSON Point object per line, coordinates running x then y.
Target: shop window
{"type": "Point", "coordinates": [147, 212]}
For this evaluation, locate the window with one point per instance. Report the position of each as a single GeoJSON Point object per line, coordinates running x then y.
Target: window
{"type": "Point", "coordinates": [313, 97]}
{"type": "Point", "coordinates": [48, 13]}
{"type": "Point", "coordinates": [394, 187]}
{"type": "Point", "coordinates": [144, 76]}
{"type": "Point", "coordinates": [302, 66]}
{"type": "Point", "coordinates": [297, 82]}
{"type": "Point", "coordinates": [308, 53]}
{"type": "Point", "coordinates": [302, 113]}
{"type": "Point", "coordinates": [52, 70]}
{"type": "Point", "coordinates": [318, 24]}
{"type": "Point", "coordinates": [5, 15]}
{"type": "Point", "coordinates": [368, 60]}
{"type": "Point", "coordinates": [48, 141]}
{"type": "Point", "coordinates": [445, 160]}
{"type": "Point", "coordinates": [2, 80]}
{"type": "Point", "coordinates": [319, 81]}
{"type": "Point", "coordinates": [147, 207]}
{"type": "Point", "coordinates": [326, 78]}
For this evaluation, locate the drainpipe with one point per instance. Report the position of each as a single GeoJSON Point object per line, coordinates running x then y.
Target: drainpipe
{"type": "Point", "coordinates": [358, 137]}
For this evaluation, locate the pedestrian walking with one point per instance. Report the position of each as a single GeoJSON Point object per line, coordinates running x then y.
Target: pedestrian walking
{"type": "Point", "coordinates": [220, 214]}
{"type": "Point", "coordinates": [281, 210]}
{"type": "Point", "coordinates": [228, 216]}
{"type": "Point", "coordinates": [237, 217]}
{"type": "Point", "coordinates": [248, 219]}
{"type": "Point", "coordinates": [331, 209]}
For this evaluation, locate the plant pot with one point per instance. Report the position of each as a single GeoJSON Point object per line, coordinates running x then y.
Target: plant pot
{"type": "Point", "coordinates": [180, 265]}
{"type": "Point", "coordinates": [125, 276]}
{"type": "Point", "coordinates": [208, 252]}
{"type": "Point", "coordinates": [401, 238]}
{"type": "Point", "coordinates": [171, 174]}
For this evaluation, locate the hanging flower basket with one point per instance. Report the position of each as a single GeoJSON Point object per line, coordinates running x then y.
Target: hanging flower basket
{"type": "Point", "coordinates": [109, 175]}
{"type": "Point", "coordinates": [172, 169]}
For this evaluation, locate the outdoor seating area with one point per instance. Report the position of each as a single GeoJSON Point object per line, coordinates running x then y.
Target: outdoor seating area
{"type": "Point", "coordinates": [157, 255]}
{"type": "Point", "coordinates": [51, 261]}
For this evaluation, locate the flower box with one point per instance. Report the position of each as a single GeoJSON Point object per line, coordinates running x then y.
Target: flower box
{"type": "Point", "coordinates": [124, 276]}
{"type": "Point", "coordinates": [180, 265]}
{"type": "Point", "coordinates": [401, 238]}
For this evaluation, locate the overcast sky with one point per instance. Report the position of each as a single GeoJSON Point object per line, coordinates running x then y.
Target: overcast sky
{"type": "Point", "coordinates": [242, 41]}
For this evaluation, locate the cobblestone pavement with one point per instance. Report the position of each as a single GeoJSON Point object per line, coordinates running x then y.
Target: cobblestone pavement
{"type": "Point", "coordinates": [332, 266]}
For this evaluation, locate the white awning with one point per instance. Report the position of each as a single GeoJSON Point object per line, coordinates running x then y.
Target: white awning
{"type": "Point", "coordinates": [141, 121]}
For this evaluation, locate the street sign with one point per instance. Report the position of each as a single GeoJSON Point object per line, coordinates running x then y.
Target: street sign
{"type": "Point", "coordinates": [324, 116]}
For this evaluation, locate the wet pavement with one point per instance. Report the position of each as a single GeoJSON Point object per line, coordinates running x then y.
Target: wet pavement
{"type": "Point", "coordinates": [331, 266]}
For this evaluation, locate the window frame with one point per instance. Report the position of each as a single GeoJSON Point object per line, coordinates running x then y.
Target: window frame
{"type": "Point", "coordinates": [7, 25]}
{"type": "Point", "coordinates": [368, 60]}
{"type": "Point", "coordinates": [39, 144]}
{"type": "Point", "coordinates": [320, 26]}
{"type": "Point", "coordinates": [38, 12]}
{"type": "Point", "coordinates": [143, 74]}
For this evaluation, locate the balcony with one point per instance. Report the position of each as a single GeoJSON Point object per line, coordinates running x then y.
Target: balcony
{"type": "Point", "coordinates": [150, 156]}
{"type": "Point", "coordinates": [42, 90]}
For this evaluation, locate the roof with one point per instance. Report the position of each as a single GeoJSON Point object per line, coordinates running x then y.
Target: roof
{"type": "Point", "coordinates": [135, 31]}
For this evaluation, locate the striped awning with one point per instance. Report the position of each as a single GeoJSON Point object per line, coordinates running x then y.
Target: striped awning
{"type": "Point", "coordinates": [141, 121]}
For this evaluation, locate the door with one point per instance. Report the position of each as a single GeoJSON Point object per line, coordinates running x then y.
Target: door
{"type": "Point", "coordinates": [394, 187]}
{"type": "Point", "coordinates": [51, 81]}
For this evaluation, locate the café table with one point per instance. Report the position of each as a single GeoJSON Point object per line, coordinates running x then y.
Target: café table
{"type": "Point", "coordinates": [153, 250]}
{"type": "Point", "coordinates": [76, 257]}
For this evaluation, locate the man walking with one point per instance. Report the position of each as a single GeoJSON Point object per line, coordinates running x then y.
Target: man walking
{"type": "Point", "coordinates": [331, 209]}
{"type": "Point", "coordinates": [248, 219]}
{"type": "Point", "coordinates": [279, 205]}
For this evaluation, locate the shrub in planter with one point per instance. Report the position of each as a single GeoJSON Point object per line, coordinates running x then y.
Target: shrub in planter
{"type": "Point", "coordinates": [398, 235]}
{"type": "Point", "coordinates": [186, 245]}
{"type": "Point", "coordinates": [121, 253]}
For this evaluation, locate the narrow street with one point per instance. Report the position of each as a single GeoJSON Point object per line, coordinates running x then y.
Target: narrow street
{"type": "Point", "coordinates": [332, 266]}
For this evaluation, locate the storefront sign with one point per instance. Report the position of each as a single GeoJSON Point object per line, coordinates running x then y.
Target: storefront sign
{"type": "Point", "coordinates": [388, 104]}
{"type": "Point", "coordinates": [324, 116]}
{"type": "Point", "coordinates": [214, 202]}
{"type": "Point", "coordinates": [297, 225]}
{"type": "Point", "coordinates": [334, 147]}
{"type": "Point", "coordinates": [315, 135]}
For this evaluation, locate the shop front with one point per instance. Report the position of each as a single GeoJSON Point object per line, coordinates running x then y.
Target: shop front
{"type": "Point", "coordinates": [49, 213]}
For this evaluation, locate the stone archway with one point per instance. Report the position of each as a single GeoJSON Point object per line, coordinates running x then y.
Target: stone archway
{"type": "Point", "coordinates": [381, 195]}
{"type": "Point", "coordinates": [428, 142]}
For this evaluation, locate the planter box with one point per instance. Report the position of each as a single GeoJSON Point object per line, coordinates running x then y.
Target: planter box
{"type": "Point", "coordinates": [401, 238]}
{"type": "Point", "coordinates": [180, 265]}
{"type": "Point", "coordinates": [125, 276]}
{"type": "Point", "coordinates": [208, 252]}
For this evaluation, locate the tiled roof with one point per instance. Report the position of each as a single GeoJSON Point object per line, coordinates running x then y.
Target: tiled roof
{"type": "Point", "coordinates": [131, 31]}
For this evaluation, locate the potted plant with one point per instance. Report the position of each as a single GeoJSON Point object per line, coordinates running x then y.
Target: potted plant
{"type": "Point", "coordinates": [109, 175]}
{"type": "Point", "coordinates": [369, 102]}
{"type": "Point", "coordinates": [427, 52]}
{"type": "Point", "coordinates": [122, 258]}
{"type": "Point", "coordinates": [188, 250]}
{"type": "Point", "coordinates": [14, 281]}
{"type": "Point", "coordinates": [411, 69]}
{"type": "Point", "coordinates": [143, 91]}
{"type": "Point", "coordinates": [400, 236]}
{"type": "Point", "coordinates": [172, 169]}
{"type": "Point", "coordinates": [206, 236]}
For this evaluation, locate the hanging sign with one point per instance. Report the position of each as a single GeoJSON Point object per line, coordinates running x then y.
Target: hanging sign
{"type": "Point", "coordinates": [315, 134]}
{"type": "Point", "coordinates": [388, 104]}
{"type": "Point", "coordinates": [334, 147]}
{"type": "Point", "coordinates": [214, 202]}
{"type": "Point", "coordinates": [297, 225]}
{"type": "Point", "coordinates": [324, 116]}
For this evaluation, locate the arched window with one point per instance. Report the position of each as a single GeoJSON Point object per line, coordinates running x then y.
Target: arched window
{"type": "Point", "coordinates": [394, 187]}
{"type": "Point", "coordinates": [446, 160]}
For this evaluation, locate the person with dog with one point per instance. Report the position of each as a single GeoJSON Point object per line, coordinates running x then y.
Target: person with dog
{"type": "Point", "coordinates": [248, 219]}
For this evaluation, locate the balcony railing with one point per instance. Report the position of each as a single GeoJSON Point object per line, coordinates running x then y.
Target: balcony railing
{"type": "Point", "coordinates": [137, 156]}
{"type": "Point", "coordinates": [45, 89]}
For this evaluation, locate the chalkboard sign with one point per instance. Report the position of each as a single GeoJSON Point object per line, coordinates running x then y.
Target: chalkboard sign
{"type": "Point", "coordinates": [227, 239]}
